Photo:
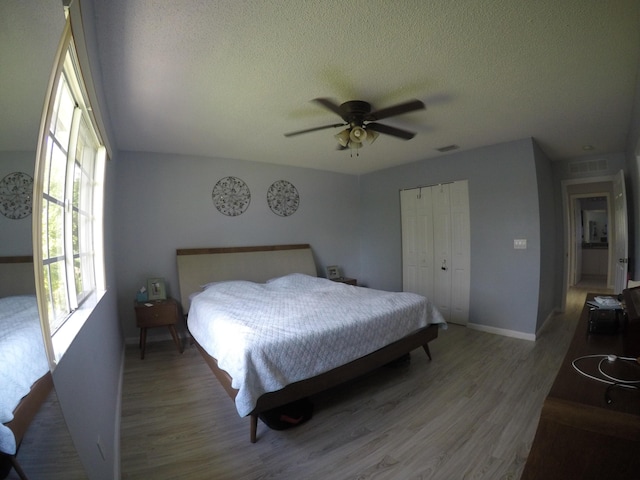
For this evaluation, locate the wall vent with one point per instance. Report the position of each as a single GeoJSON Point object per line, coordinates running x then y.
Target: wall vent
{"type": "Point", "coordinates": [587, 166]}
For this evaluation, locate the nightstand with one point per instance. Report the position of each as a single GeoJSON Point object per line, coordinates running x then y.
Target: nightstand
{"type": "Point", "coordinates": [348, 281]}
{"type": "Point", "coordinates": [157, 313]}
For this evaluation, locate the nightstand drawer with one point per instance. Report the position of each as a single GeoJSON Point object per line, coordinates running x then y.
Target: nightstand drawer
{"type": "Point", "coordinates": [158, 314]}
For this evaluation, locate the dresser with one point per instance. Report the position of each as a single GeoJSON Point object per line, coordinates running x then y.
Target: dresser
{"type": "Point", "coordinates": [588, 429]}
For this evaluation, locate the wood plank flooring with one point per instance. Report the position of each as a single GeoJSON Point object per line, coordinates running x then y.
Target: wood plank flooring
{"type": "Point", "coordinates": [470, 413]}
{"type": "Point", "coordinates": [47, 451]}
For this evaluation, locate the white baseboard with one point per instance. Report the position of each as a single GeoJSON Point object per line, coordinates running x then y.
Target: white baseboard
{"type": "Point", "coordinates": [546, 321]}
{"type": "Point", "coordinates": [503, 331]}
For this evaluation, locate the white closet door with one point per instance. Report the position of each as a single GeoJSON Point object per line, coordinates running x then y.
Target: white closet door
{"type": "Point", "coordinates": [417, 250]}
{"type": "Point", "coordinates": [436, 246]}
{"type": "Point", "coordinates": [426, 243]}
{"type": "Point", "coordinates": [442, 249]}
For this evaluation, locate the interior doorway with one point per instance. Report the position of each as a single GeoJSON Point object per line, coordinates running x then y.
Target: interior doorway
{"type": "Point", "coordinates": [576, 195]}
{"type": "Point", "coordinates": [590, 230]}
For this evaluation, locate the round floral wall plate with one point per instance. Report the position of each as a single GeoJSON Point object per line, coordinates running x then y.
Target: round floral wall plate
{"type": "Point", "coordinates": [231, 196]}
{"type": "Point", "coordinates": [283, 198]}
{"type": "Point", "coordinates": [16, 190]}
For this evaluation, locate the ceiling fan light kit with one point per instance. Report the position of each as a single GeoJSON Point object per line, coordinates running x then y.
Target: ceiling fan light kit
{"type": "Point", "coordinates": [343, 138]}
{"type": "Point", "coordinates": [362, 122]}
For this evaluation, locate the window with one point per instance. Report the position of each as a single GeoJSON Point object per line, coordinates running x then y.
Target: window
{"type": "Point", "coordinates": [68, 209]}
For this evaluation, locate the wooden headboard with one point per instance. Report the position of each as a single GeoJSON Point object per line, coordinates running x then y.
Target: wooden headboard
{"type": "Point", "coordinates": [16, 276]}
{"type": "Point", "coordinates": [199, 266]}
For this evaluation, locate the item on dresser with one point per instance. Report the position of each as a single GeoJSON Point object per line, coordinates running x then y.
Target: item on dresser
{"type": "Point", "coordinates": [605, 321]}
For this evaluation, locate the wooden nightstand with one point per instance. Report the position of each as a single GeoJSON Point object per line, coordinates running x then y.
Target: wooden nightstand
{"type": "Point", "coordinates": [157, 313]}
{"type": "Point", "coordinates": [348, 281]}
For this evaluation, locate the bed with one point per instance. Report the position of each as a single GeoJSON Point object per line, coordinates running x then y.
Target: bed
{"type": "Point", "coordinates": [260, 379]}
{"type": "Point", "coordinates": [24, 369]}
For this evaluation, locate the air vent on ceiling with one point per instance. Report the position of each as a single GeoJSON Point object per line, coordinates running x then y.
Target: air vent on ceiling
{"type": "Point", "coordinates": [448, 148]}
{"type": "Point", "coordinates": [587, 166]}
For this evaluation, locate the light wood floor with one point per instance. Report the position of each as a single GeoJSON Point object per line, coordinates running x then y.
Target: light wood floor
{"type": "Point", "coordinates": [470, 413]}
{"type": "Point", "coordinates": [47, 451]}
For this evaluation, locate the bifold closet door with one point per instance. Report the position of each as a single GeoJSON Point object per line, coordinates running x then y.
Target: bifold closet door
{"type": "Point", "coordinates": [436, 246]}
{"type": "Point", "coordinates": [417, 241]}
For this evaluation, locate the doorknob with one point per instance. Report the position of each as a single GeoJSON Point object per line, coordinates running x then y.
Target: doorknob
{"type": "Point", "coordinates": [444, 265]}
{"type": "Point", "coordinates": [623, 260]}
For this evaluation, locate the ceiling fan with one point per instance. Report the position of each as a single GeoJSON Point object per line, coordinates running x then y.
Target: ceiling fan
{"type": "Point", "coordinates": [362, 122]}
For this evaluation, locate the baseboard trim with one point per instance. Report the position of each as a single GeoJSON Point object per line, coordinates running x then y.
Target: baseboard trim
{"type": "Point", "coordinates": [503, 331]}
{"type": "Point", "coordinates": [547, 320]}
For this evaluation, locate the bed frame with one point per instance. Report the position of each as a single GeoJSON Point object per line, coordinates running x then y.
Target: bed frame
{"type": "Point", "coordinates": [16, 278]}
{"type": "Point", "coordinates": [196, 267]}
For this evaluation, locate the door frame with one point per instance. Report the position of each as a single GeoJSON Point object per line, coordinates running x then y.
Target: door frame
{"type": "Point", "coordinates": [568, 241]}
{"type": "Point", "coordinates": [574, 241]}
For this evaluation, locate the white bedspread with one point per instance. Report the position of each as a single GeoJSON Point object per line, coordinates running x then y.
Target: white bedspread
{"type": "Point", "coordinates": [22, 358]}
{"type": "Point", "coordinates": [269, 335]}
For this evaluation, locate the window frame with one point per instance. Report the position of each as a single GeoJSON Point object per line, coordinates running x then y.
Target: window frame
{"type": "Point", "coordinates": [57, 340]}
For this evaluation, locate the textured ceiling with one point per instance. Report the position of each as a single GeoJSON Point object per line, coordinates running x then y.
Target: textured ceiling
{"type": "Point", "coordinates": [29, 35]}
{"type": "Point", "coordinates": [226, 79]}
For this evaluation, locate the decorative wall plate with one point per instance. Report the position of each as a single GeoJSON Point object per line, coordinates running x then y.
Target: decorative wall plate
{"type": "Point", "coordinates": [231, 196]}
{"type": "Point", "coordinates": [16, 190]}
{"type": "Point", "coordinates": [283, 198]}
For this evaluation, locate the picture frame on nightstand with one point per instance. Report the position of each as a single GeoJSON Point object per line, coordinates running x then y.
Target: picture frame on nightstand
{"type": "Point", "coordinates": [156, 289]}
{"type": "Point", "coordinates": [333, 272]}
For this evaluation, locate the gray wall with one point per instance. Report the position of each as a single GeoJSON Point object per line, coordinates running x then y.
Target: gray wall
{"type": "Point", "coordinates": [15, 235]}
{"type": "Point", "coordinates": [550, 210]}
{"type": "Point", "coordinates": [504, 205]}
{"type": "Point", "coordinates": [164, 203]}
{"type": "Point", "coordinates": [88, 377]}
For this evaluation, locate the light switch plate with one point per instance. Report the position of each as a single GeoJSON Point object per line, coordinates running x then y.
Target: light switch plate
{"type": "Point", "coordinates": [520, 243]}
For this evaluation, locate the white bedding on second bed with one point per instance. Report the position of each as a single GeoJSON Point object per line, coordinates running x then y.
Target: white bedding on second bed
{"type": "Point", "coordinates": [22, 358]}
{"type": "Point", "coordinates": [269, 335]}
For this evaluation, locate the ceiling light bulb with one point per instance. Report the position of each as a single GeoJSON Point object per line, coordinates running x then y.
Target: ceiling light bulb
{"type": "Point", "coordinates": [343, 138]}
{"type": "Point", "coordinates": [358, 134]}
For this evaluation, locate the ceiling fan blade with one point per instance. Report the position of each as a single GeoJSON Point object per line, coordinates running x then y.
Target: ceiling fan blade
{"type": "Point", "coordinates": [291, 134]}
{"type": "Point", "coordinates": [395, 110]}
{"type": "Point", "coordinates": [331, 105]}
{"type": "Point", "coordinates": [386, 129]}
